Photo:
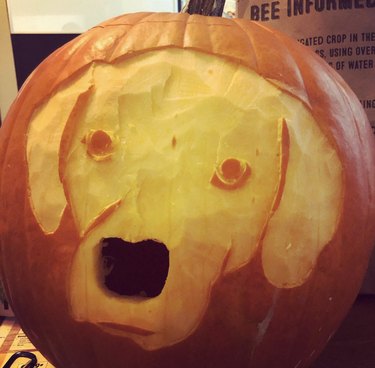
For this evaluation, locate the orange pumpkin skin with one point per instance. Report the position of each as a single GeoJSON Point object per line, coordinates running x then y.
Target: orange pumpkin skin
{"type": "Point", "coordinates": [297, 322]}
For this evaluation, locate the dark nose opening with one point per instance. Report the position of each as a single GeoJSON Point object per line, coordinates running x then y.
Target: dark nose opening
{"type": "Point", "coordinates": [134, 269]}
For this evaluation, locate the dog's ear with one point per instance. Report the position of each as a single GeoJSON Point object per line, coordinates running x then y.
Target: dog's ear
{"type": "Point", "coordinates": [307, 207]}
{"type": "Point", "coordinates": [47, 125]}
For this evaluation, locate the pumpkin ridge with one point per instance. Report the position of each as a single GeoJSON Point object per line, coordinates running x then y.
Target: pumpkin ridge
{"type": "Point", "coordinates": [238, 23]}
{"type": "Point", "coordinates": [132, 18]}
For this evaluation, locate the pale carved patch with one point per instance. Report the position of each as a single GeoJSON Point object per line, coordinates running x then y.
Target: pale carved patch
{"type": "Point", "coordinates": [171, 146]}
{"type": "Point", "coordinates": [43, 151]}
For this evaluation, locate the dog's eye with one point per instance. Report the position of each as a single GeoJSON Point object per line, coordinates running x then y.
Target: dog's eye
{"type": "Point", "coordinates": [99, 144]}
{"type": "Point", "coordinates": [231, 173]}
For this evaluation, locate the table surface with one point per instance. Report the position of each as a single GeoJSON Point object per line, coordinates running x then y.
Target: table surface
{"type": "Point", "coordinates": [353, 345]}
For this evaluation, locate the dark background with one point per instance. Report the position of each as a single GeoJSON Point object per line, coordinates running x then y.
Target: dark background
{"type": "Point", "coordinates": [29, 50]}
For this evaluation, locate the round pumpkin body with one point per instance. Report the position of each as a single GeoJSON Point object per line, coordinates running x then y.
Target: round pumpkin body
{"type": "Point", "coordinates": [184, 191]}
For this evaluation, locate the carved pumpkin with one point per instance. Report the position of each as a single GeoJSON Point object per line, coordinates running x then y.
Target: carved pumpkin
{"type": "Point", "coordinates": [184, 191]}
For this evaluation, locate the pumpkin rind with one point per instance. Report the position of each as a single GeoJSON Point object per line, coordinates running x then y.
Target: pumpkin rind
{"type": "Point", "coordinates": [295, 323]}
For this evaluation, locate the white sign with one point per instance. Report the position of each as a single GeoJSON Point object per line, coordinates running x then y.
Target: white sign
{"type": "Point", "coordinates": [342, 32]}
{"type": "Point", "coordinates": [72, 16]}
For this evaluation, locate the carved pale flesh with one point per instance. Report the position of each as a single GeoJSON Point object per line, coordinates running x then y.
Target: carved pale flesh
{"type": "Point", "coordinates": [195, 153]}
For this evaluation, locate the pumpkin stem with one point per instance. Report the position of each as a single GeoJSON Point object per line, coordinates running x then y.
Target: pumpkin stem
{"type": "Point", "coordinates": [204, 7]}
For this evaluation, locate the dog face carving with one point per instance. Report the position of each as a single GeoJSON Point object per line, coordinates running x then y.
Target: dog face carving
{"type": "Point", "coordinates": [195, 153]}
